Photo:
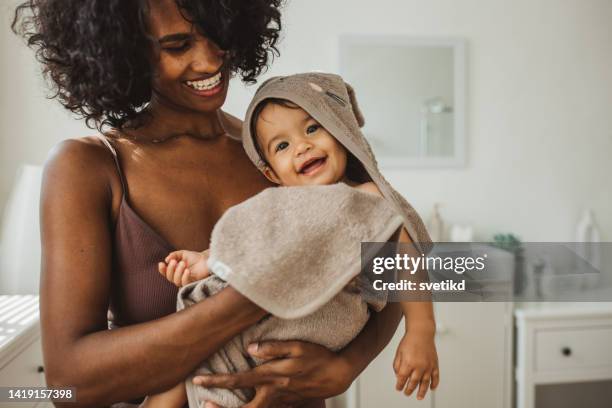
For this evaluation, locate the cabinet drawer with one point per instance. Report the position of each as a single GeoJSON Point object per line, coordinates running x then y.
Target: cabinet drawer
{"type": "Point", "coordinates": [22, 371]}
{"type": "Point", "coordinates": [584, 348]}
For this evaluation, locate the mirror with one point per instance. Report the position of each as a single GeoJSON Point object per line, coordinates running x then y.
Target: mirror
{"type": "Point", "coordinates": [412, 94]}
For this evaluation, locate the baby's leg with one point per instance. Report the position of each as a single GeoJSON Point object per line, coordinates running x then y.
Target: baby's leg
{"type": "Point", "coordinates": [230, 358]}
{"type": "Point", "coordinates": [175, 397]}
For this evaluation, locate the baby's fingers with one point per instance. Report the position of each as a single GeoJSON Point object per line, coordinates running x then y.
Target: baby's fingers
{"type": "Point", "coordinates": [402, 372]}
{"type": "Point", "coordinates": [176, 255]}
{"type": "Point", "coordinates": [178, 273]}
{"type": "Point", "coordinates": [161, 267]}
{"type": "Point", "coordinates": [170, 268]}
{"type": "Point", "coordinates": [186, 278]}
{"type": "Point", "coordinates": [401, 381]}
{"type": "Point", "coordinates": [397, 361]}
{"type": "Point", "coordinates": [415, 379]}
{"type": "Point", "coordinates": [435, 378]}
{"type": "Point", "coordinates": [423, 386]}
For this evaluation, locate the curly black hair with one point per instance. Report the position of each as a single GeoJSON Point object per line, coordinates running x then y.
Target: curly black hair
{"type": "Point", "coordinates": [96, 54]}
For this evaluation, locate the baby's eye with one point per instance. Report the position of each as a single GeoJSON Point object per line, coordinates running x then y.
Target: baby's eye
{"type": "Point", "coordinates": [281, 146]}
{"type": "Point", "coordinates": [312, 128]}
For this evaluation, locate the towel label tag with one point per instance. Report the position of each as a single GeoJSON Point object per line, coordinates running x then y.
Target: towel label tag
{"type": "Point", "coordinates": [221, 270]}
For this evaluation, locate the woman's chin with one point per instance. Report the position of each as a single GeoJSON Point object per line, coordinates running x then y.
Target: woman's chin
{"type": "Point", "coordinates": [208, 103]}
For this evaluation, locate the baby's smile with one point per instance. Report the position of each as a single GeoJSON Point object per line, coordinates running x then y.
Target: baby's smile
{"type": "Point", "coordinates": [312, 166]}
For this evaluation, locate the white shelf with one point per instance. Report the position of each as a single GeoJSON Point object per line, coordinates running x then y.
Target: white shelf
{"type": "Point", "coordinates": [19, 318]}
{"type": "Point", "coordinates": [20, 347]}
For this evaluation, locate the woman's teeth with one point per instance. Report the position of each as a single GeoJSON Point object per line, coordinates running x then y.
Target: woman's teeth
{"type": "Point", "coordinates": [205, 84]}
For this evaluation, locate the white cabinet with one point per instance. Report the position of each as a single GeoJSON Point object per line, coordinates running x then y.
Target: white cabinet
{"type": "Point", "coordinates": [20, 348]}
{"type": "Point", "coordinates": [474, 342]}
{"type": "Point", "coordinates": [24, 368]}
{"type": "Point", "coordinates": [567, 344]}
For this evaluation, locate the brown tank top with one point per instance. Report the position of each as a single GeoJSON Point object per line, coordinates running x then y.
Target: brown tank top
{"type": "Point", "coordinates": [138, 291]}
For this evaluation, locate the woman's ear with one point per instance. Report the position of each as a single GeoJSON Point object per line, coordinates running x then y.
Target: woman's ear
{"type": "Point", "coordinates": [271, 175]}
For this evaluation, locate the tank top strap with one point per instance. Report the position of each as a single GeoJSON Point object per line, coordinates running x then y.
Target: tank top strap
{"type": "Point", "coordinates": [115, 155]}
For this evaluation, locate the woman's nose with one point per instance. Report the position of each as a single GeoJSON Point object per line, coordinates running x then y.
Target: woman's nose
{"type": "Point", "coordinates": [207, 57]}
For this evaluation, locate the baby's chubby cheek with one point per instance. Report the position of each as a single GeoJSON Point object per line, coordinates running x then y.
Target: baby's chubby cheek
{"type": "Point", "coordinates": [339, 168]}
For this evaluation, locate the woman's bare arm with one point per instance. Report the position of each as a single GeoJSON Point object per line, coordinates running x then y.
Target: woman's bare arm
{"type": "Point", "coordinates": [295, 372]}
{"type": "Point", "coordinates": [108, 366]}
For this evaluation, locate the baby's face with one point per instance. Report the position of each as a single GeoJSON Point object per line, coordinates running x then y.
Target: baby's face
{"type": "Point", "coordinates": [299, 150]}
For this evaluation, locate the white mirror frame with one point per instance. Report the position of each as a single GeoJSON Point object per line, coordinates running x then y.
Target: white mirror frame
{"type": "Point", "coordinates": [459, 80]}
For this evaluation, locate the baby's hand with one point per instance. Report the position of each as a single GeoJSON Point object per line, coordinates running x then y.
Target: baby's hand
{"type": "Point", "coordinates": [183, 267]}
{"type": "Point", "coordinates": [416, 362]}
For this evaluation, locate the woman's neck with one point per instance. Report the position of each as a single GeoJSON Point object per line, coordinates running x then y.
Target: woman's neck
{"type": "Point", "coordinates": [161, 122]}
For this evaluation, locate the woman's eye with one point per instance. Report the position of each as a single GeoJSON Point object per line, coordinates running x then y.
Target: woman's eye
{"type": "Point", "coordinates": [312, 128]}
{"type": "Point", "coordinates": [281, 146]}
{"type": "Point", "coordinates": [177, 47]}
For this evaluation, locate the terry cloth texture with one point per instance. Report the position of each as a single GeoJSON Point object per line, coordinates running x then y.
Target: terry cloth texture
{"type": "Point", "coordinates": [332, 103]}
{"type": "Point", "coordinates": [291, 250]}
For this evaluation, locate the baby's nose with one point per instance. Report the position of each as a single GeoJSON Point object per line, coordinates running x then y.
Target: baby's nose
{"type": "Point", "coordinates": [303, 148]}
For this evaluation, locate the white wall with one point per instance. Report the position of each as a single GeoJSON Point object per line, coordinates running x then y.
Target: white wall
{"type": "Point", "coordinates": [30, 124]}
{"type": "Point", "coordinates": [539, 89]}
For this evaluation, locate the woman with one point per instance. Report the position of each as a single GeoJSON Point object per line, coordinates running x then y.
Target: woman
{"type": "Point", "coordinates": [154, 74]}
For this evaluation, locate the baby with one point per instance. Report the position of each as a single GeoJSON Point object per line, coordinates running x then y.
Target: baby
{"type": "Point", "coordinates": [297, 151]}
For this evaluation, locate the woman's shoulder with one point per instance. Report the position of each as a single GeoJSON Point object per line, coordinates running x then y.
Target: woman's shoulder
{"type": "Point", "coordinates": [88, 149]}
{"type": "Point", "coordinates": [80, 161]}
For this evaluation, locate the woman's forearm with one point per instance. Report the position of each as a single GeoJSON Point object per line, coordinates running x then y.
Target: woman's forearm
{"type": "Point", "coordinates": [146, 358]}
{"type": "Point", "coordinates": [373, 338]}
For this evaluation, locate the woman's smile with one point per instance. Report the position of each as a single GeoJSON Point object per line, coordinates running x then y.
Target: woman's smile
{"type": "Point", "coordinates": [207, 87]}
{"type": "Point", "coordinates": [205, 84]}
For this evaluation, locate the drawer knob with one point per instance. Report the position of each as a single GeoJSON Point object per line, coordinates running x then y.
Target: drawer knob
{"type": "Point", "coordinates": [40, 369]}
{"type": "Point", "coordinates": [566, 351]}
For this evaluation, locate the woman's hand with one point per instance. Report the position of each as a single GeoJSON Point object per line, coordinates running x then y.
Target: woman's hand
{"type": "Point", "coordinates": [293, 372]}
{"type": "Point", "coordinates": [416, 363]}
{"type": "Point", "coordinates": [183, 267]}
